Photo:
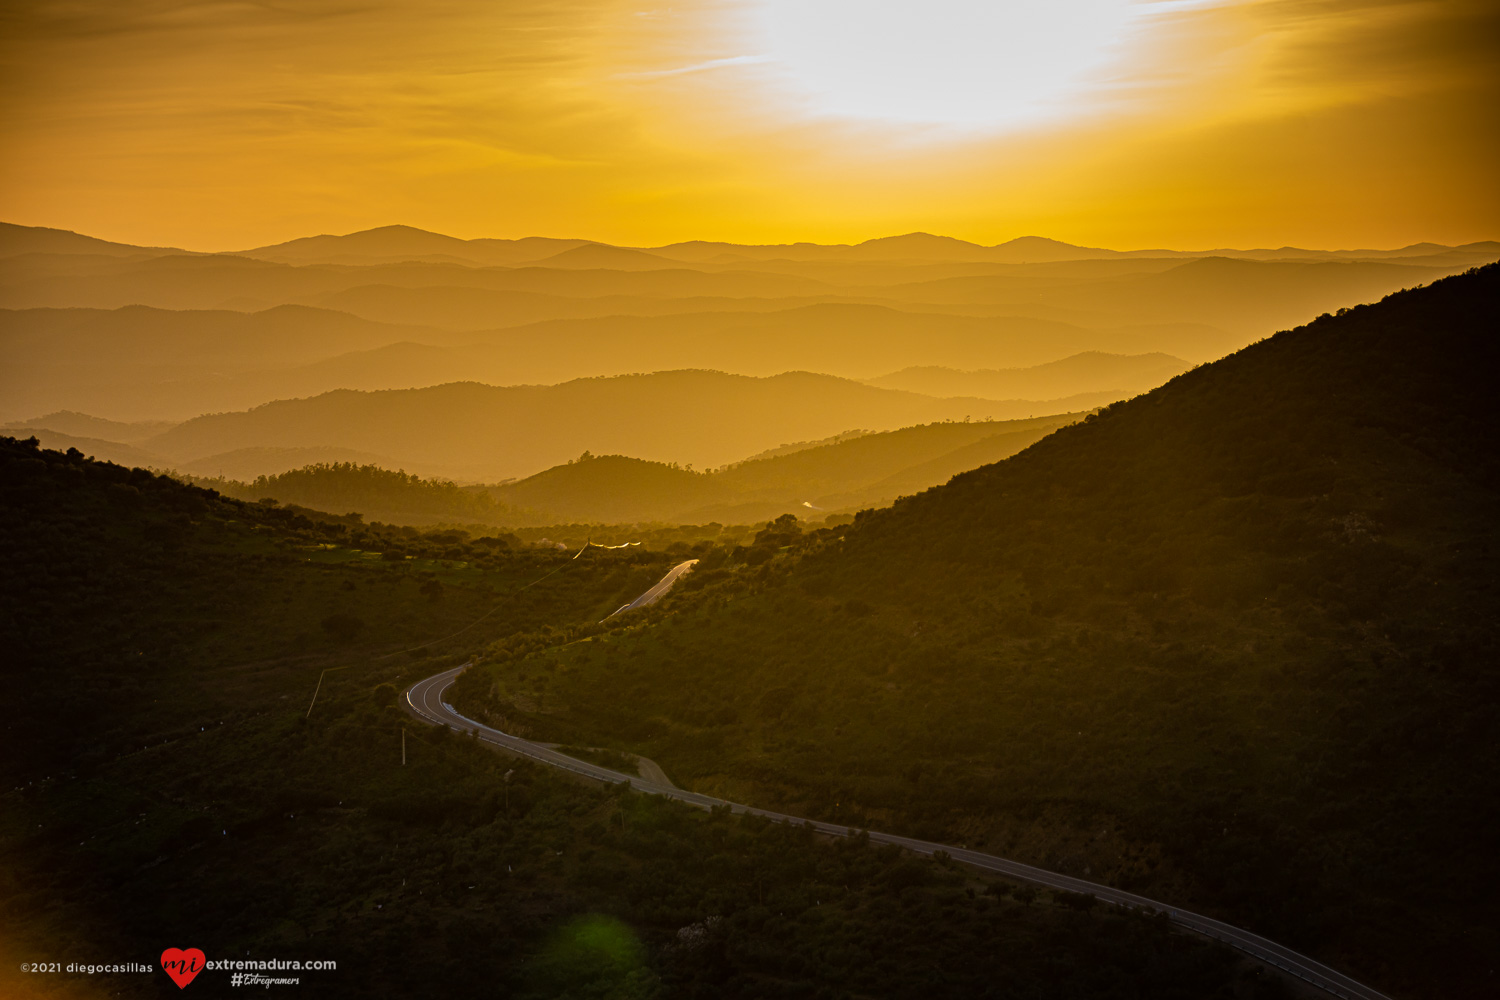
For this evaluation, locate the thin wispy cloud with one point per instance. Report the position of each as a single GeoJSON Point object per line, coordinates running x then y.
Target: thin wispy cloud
{"type": "Point", "coordinates": [710, 64]}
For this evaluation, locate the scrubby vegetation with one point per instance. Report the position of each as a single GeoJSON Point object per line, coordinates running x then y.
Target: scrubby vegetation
{"type": "Point", "coordinates": [122, 581]}
{"type": "Point", "coordinates": [1229, 644]}
{"type": "Point", "coordinates": [170, 782]}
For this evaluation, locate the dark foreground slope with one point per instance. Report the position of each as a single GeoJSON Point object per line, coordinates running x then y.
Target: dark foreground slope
{"type": "Point", "coordinates": [166, 786]}
{"type": "Point", "coordinates": [1231, 643]}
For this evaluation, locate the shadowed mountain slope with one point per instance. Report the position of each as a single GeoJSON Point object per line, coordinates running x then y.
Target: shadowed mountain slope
{"type": "Point", "coordinates": [1229, 643]}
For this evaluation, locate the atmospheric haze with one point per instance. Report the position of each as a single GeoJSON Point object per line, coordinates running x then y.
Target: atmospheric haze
{"type": "Point", "coordinates": [429, 353]}
{"type": "Point", "coordinates": [744, 498]}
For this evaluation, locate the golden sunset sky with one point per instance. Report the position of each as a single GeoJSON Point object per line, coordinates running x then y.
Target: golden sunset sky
{"type": "Point", "coordinates": [1123, 123]}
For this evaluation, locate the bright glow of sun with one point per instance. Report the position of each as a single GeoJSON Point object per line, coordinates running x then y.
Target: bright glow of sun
{"type": "Point", "coordinates": [966, 63]}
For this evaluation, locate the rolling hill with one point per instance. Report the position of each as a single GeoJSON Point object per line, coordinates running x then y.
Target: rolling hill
{"type": "Point", "coordinates": [480, 432]}
{"type": "Point", "coordinates": [376, 494]}
{"type": "Point", "coordinates": [838, 477]}
{"type": "Point", "coordinates": [84, 425]}
{"type": "Point", "coordinates": [613, 489]}
{"type": "Point", "coordinates": [16, 240]}
{"type": "Point", "coordinates": [98, 448]}
{"type": "Point", "coordinates": [597, 255]}
{"type": "Point", "coordinates": [393, 244]}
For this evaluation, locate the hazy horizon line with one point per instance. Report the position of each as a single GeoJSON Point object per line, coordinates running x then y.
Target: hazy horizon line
{"type": "Point", "coordinates": [729, 242]}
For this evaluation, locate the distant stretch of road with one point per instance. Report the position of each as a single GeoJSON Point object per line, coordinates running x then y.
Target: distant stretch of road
{"type": "Point", "coordinates": [425, 700]}
{"type": "Point", "coordinates": [655, 593]}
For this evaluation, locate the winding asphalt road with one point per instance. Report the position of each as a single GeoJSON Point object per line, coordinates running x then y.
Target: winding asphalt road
{"type": "Point", "coordinates": [425, 701]}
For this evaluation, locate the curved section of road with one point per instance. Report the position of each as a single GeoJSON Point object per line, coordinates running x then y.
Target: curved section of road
{"type": "Point", "coordinates": [425, 701]}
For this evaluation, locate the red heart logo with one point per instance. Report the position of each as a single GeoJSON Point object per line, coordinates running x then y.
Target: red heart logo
{"type": "Point", "coordinates": [183, 965]}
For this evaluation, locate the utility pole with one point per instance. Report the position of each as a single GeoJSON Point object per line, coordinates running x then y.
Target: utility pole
{"type": "Point", "coordinates": [507, 792]}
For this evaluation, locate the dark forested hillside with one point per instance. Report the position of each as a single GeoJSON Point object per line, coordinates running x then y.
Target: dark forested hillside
{"type": "Point", "coordinates": [378, 494]}
{"type": "Point", "coordinates": [613, 489]}
{"type": "Point", "coordinates": [1230, 643]}
{"type": "Point", "coordinates": [121, 584]}
{"type": "Point", "coordinates": [169, 780]}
